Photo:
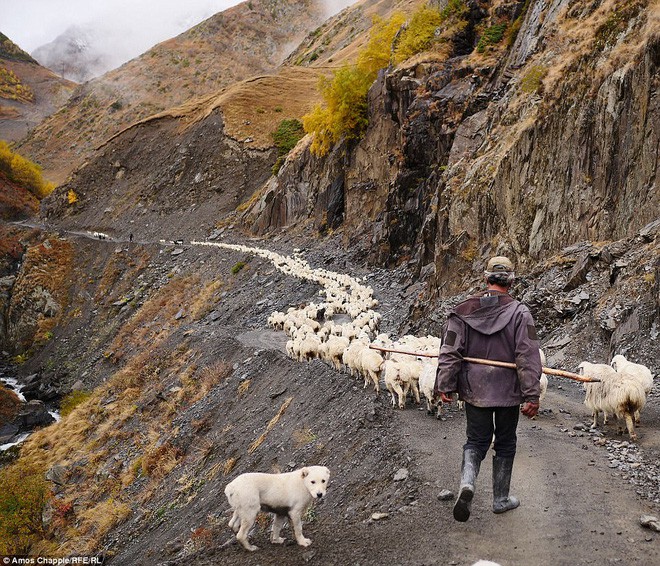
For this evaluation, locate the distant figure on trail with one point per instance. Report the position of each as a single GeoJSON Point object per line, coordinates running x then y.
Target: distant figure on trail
{"type": "Point", "coordinates": [490, 325]}
{"type": "Point", "coordinates": [130, 237]}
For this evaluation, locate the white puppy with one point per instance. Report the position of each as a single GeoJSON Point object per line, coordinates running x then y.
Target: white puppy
{"type": "Point", "coordinates": [282, 494]}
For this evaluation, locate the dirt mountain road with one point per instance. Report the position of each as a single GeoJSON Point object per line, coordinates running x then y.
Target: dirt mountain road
{"type": "Point", "coordinates": [573, 509]}
{"type": "Point", "coordinates": [576, 509]}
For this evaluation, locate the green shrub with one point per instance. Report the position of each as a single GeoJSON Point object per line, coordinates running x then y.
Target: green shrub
{"type": "Point", "coordinates": [531, 82]}
{"type": "Point", "coordinates": [275, 169]}
{"type": "Point", "coordinates": [22, 497]}
{"type": "Point", "coordinates": [72, 400]}
{"type": "Point", "coordinates": [491, 36]}
{"type": "Point", "coordinates": [287, 135]}
{"type": "Point", "coordinates": [237, 267]}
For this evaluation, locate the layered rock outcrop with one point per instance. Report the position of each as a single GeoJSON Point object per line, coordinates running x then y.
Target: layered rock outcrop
{"type": "Point", "coordinates": [551, 141]}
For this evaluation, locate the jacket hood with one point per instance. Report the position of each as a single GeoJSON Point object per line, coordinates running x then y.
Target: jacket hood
{"type": "Point", "coordinates": [490, 317]}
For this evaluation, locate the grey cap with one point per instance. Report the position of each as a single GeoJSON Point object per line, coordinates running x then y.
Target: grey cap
{"type": "Point", "coordinates": [499, 264]}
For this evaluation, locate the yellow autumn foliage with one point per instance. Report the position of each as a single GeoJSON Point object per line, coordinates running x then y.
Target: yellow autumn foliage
{"type": "Point", "coordinates": [23, 172]}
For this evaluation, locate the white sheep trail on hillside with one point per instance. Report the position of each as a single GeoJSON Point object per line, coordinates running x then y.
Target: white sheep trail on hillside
{"type": "Point", "coordinates": [314, 334]}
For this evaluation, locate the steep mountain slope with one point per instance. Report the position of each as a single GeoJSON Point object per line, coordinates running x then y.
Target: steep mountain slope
{"type": "Point", "coordinates": [16, 202]}
{"type": "Point", "coordinates": [475, 154]}
{"type": "Point", "coordinates": [249, 39]}
{"type": "Point", "coordinates": [132, 168]}
{"type": "Point", "coordinates": [184, 386]}
{"type": "Point", "coordinates": [28, 92]}
{"type": "Point", "coordinates": [461, 158]}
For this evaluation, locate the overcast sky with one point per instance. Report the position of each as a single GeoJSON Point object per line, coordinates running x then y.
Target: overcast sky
{"type": "Point", "coordinates": [32, 23]}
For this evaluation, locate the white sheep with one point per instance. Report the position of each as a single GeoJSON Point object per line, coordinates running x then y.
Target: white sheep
{"type": "Point", "coordinates": [351, 354]}
{"type": "Point", "coordinates": [621, 394]}
{"type": "Point", "coordinates": [426, 386]}
{"type": "Point", "coordinates": [334, 350]}
{"type": "Point", "coordinates": [409, 369]}
{"type": "Point", "coordinates": [636, 371]}
{"type": "Point", "coordinates": [309, 347]}
{"type": "Point", "coordinates": [398, 379]}
{"type": "Point", "coordinates": [394, 383]}
{"type": "Point", "coordinates": [277, 320]}
{"type": "Point", "coordinates": [370, 363]}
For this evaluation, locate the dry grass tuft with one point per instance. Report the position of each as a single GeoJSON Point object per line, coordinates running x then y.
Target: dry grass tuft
{"type": "Point", "coordinates": [205, 299]}
{"type": "Point", "coordinates": [159, 461]}
{"type": "Point", "coordinates": [229, 465]}
{"type": "Point", "coordinates": [244, 386]}
{"type": "Point", "coordinates": [155, 321]}
{"type": "Point", "coordinates": [303, 437]}
{"type": "Point", "coordinates": [196, 383]}
{"type": "Point", "coordinates": [259, 441]}
{"type": "Point", "coordinates": [97, 521]}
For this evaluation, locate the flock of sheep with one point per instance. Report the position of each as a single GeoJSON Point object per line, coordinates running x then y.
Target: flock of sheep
{"type": "Point", "coordinates": [622, 390]}
{"type": "Point", "coordinates": [314, 331]}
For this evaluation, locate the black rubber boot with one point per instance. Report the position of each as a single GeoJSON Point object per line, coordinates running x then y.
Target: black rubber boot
{"type": "Point", "coordinates": [502, 501]}
{"type": "Point", "coordinates": [469, 473]}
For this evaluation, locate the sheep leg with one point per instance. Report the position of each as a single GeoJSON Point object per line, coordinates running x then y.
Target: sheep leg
{"type": "Point", "coordinates": [604, 417]}
{"type": "Point", "coordinates": [391, 390]}
{"type": "Point", "coordinates": [415, 390]}
{"type": "Point", "coordinates": [375, 378]}
{"type": "Point", "coordinates": [630, 425]}
{"type": "Point", "coordinates": [406, 389]}
{"type": "Point", "coordinates": [637, 418]}
{"type": "Point", "coordinates": [595, 416]}
{"type": "Point", "coordinates": [401, 394]}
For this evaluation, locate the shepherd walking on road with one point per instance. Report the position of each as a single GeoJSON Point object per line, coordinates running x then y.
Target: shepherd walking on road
{"type": "Point", "coordinates": [491, 325]}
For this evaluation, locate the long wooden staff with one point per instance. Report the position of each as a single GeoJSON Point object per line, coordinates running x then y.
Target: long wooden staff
{"type": "Point", "coordinates": [510, 365]}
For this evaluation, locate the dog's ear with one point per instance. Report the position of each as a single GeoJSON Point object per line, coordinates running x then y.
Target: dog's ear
{"type": "Point", "coordinates": [304, 472]}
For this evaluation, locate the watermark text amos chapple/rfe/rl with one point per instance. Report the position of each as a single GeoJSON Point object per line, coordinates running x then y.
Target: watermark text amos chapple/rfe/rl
{"type": "Point", "coordinates": [51, 561]}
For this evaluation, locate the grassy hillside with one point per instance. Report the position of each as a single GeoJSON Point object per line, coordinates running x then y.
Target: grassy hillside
{"type": "Point", "coordinates": [9, 50]}
{"type": "Point", "coordinates": [28, 92]}
{"type": "Point", "coordinates": [249, 39]}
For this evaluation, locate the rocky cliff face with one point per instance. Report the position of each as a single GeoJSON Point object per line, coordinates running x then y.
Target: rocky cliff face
{"type": "Point", "coordinates": [521, 151]}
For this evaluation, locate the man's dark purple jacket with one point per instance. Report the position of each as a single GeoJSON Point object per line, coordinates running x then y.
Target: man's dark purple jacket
{"type": "Point", "coordinates": [493, 326]}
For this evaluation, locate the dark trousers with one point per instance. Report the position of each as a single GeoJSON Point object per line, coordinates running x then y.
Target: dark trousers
{"type": "Point", "coordinates": [483, 423]}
